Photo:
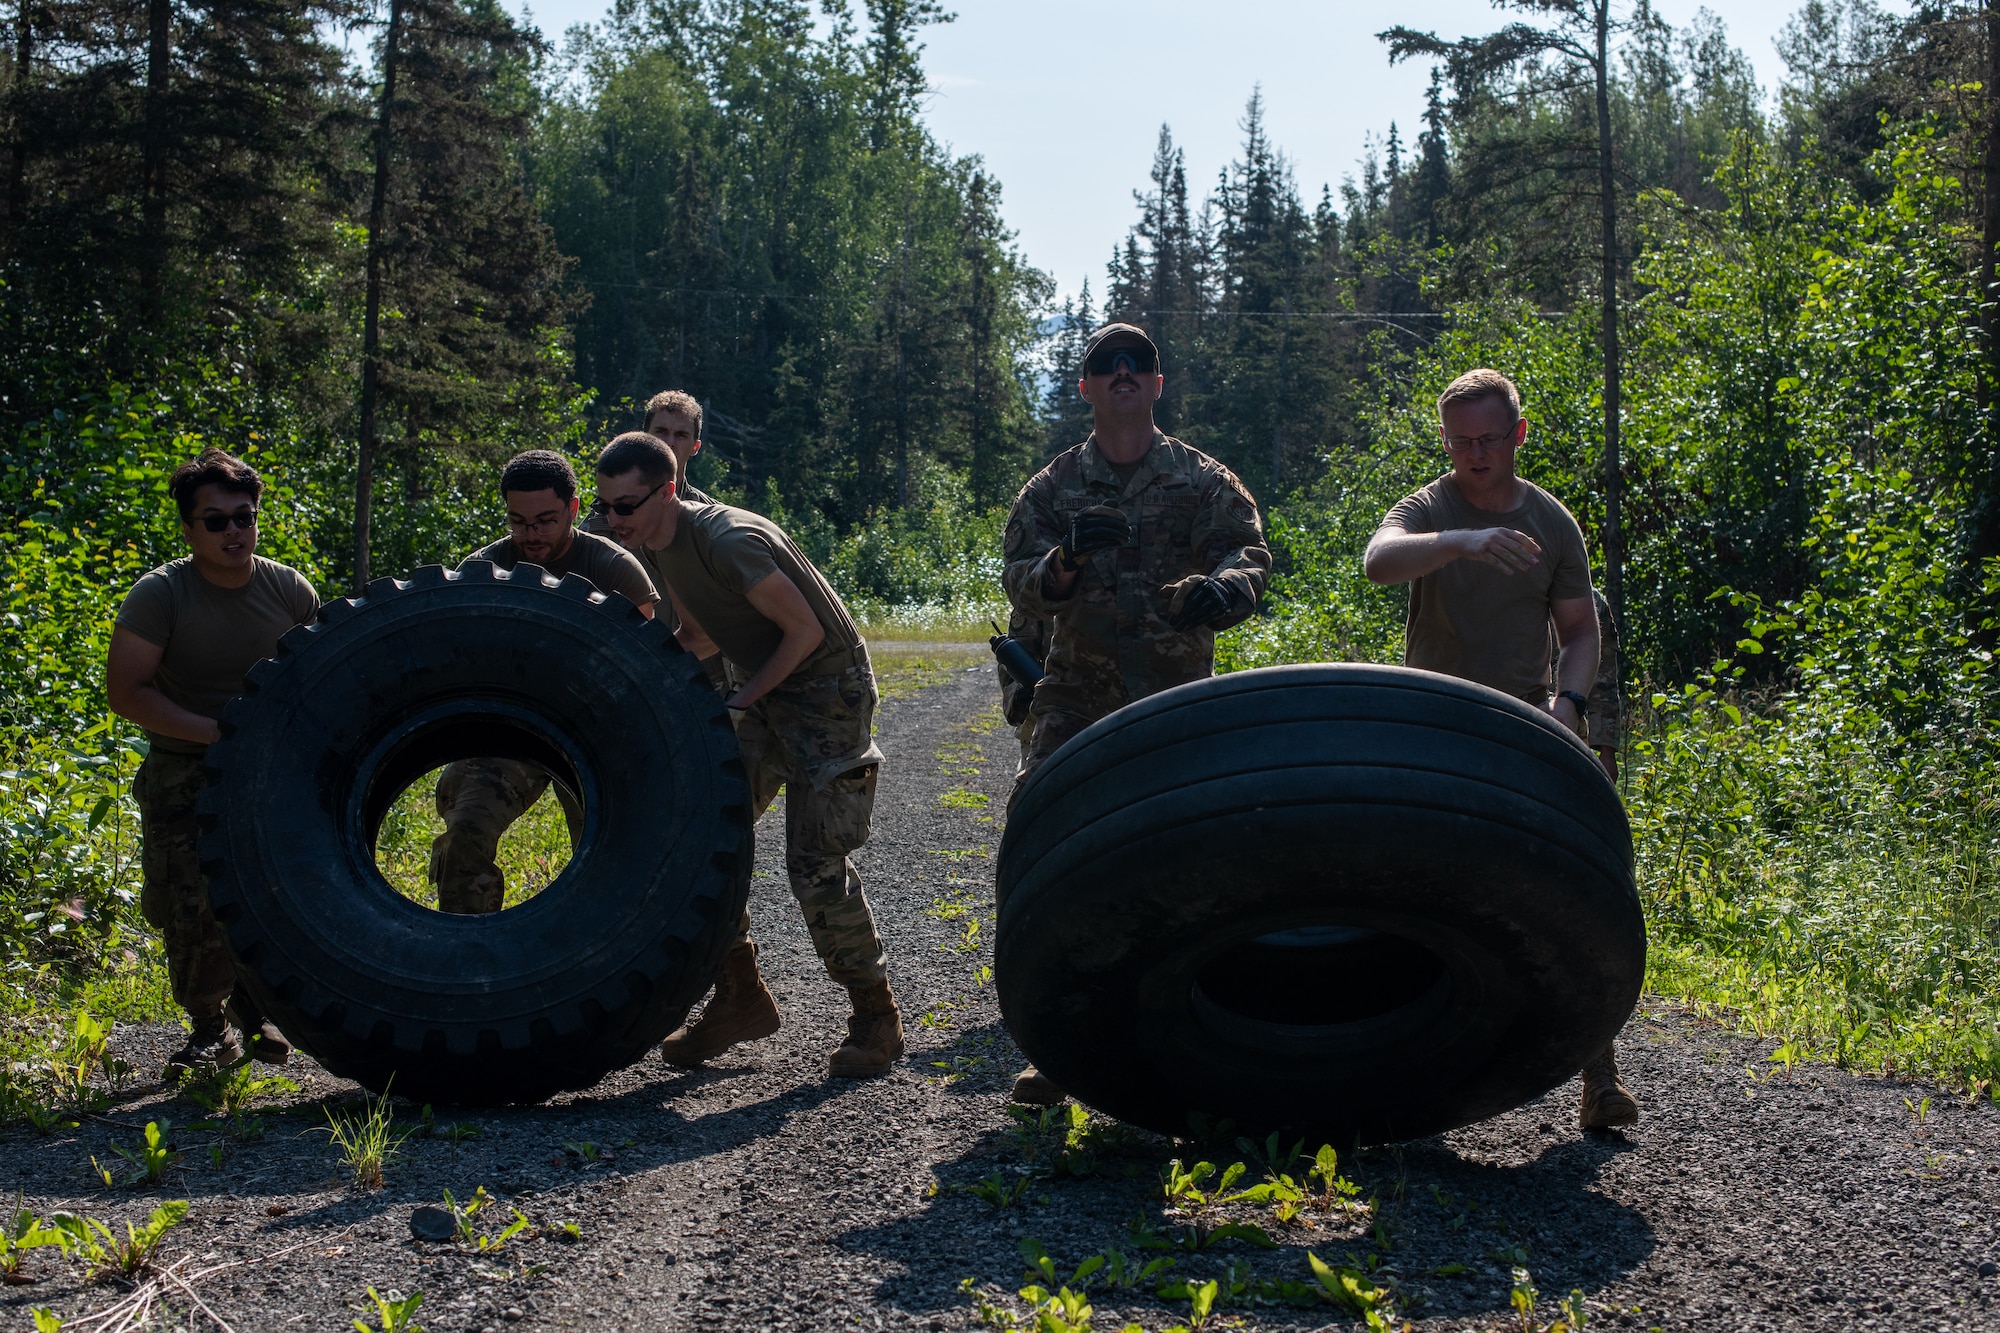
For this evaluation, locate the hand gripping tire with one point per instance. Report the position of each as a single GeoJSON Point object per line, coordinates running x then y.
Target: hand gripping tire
{"type": "Point", "coordinates": [541, 998]}
{"type": "Point", "coordinates": [1349, 902]}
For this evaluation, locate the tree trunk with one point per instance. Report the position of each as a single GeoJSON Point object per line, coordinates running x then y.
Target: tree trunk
{"type": "Point", "coordinates": [17, 156]}
{"type": "Point", "coordinates": [1278, 409]}
{"type": "Point", "coordinates": [371, 318]}
{"type": "Point", "coordinates": [153, 221]}
{"type": "Point", "coordinates": [1984, 537]}
{"type": "Point", "coordinates": [1614, 528]}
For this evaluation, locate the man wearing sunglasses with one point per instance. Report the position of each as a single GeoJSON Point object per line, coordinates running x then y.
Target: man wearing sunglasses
{"type": "Point", "coordinates": [1136, 549]}
{"type": "Point", "coordinates": [183, 640]}
{"type": "Point", "coordinates": [803, 700]}
{"type": "Point", "coordinates": [479, 799]}
{"type": "Point", "coordinates": [1500, 578]}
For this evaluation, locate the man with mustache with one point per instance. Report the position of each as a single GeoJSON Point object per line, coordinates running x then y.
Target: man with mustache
{"type": "Point", "coordinates": [1136, 548]}
{"type": "Point", "coordinates": [479, 799]}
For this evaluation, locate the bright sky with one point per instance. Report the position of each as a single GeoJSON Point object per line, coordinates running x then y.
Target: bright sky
{"type": "Point", "coordinates": [1065, 100]}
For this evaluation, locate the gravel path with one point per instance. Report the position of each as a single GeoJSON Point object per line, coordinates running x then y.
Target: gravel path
{"type": "Point", "coordinates": [758, 1194]}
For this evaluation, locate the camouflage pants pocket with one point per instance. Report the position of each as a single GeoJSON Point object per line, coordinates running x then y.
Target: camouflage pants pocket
{"type": "Point", "coordinates": [173, 893]}
{"type": "Point", "coordinates": [845, 809]}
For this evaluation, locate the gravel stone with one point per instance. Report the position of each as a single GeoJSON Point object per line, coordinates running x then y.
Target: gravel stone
{"type": "Point", "coordinates": [757, 1193]}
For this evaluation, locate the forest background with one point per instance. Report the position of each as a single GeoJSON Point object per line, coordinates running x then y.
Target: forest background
{"type": "Point", "coordinates": [377, 280]}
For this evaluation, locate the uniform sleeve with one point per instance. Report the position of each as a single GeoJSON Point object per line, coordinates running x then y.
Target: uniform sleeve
{"type": "Point", "coordinates": [302, 599]}
{"type": "Point", "coordinates": [498, 552]}
{"type": "Point", "coordinates": [743, 559]}
{"type": "Point", "coordinates": [1412, 513]}
{"type": "Point", "coordinates": [1229, 538]}
{"type": "Point", "coordinates": [1571, 576]}
{"type": "Point", "coordinates": [1033, 534]}
{"type": "Point", "coordinates": [148, 610]}
{"type": "Point", "coordinates": [623, 573]}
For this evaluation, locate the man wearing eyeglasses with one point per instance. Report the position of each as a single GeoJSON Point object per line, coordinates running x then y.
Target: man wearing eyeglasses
{"type": "Point", "coordinates": [184, 638]}
{"type": "Point", "coordinates": [1136, 549]}
{"type": "Point", "coordinates": [803, 702]}
{"type": "Point", "coordinates": [1494, 561]}
{"type": "Point", "coordinates": [479, 799]}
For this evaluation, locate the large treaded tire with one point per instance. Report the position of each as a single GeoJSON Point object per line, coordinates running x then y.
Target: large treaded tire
{"type": "Point", "coordinates": [545, 997]}
{"type": "Point", "coordinates": [1352, 902]}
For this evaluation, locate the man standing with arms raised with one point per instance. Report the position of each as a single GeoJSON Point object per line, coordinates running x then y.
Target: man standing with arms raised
{"type": "Point", "coordinates": [185, 637]}
{"type": "Point", "coordinates": [479, 799]}
{"type": "Point", "coordinates": [803, 700]}
{"type": "Point", "coordinates": [1136, 549]}
{"type": "Point", "coordinates": [1494, 561]}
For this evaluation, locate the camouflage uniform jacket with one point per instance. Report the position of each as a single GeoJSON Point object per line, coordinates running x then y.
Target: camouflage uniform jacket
{"type": "Point", "coordinates": [1111, 643]}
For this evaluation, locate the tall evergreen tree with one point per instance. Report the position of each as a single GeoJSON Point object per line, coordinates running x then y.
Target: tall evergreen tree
{"type": "Point", "coordinates": [457, 249]}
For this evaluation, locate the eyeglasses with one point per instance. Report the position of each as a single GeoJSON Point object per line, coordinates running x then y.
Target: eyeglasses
{"type": "Point", "coordinates": [241, 519]}
{"type": "Point", "coordinates": [1466, 443]}
{"type": "Point", "coordinates": [1131, 360]}
{"type": "Point", "coordinates": [515, 523]}
{"type": "Point", "coordinates": [622, 509]}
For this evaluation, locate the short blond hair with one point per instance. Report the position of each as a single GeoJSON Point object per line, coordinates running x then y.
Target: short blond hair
{"type": "Point", "coordinates": [674, 400]}
{"type": "Point", "coordinates": [1474, 385]}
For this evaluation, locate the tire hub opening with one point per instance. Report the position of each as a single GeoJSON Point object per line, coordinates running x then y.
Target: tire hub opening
{"type": "Point", "coordinates": [471, 809]}
{"type": "Point", "coordinates": [1318, 977]}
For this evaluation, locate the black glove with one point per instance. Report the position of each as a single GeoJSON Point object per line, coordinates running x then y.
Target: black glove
{"type": "Point", "coordinates": [1098, 528]}
{"type": "Point", "coordinates": [1201, 601]}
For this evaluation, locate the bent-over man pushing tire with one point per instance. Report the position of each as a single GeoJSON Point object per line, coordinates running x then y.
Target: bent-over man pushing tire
{"type": "Point", "coordinates": [803, 700]}
{"type": "Point", "coordinates": [1494, 562]}
{"type": "Point", "coordinates": [479, 799]}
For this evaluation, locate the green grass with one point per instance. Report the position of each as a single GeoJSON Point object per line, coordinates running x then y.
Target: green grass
{"type": "Point", "coordinates": [1824, 887]}
{"type": "Point", "coordinates": [533, 851]}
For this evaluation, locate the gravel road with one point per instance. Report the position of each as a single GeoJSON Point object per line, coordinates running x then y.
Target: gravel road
{"type": "Point", "coordinates": [759, 1194]}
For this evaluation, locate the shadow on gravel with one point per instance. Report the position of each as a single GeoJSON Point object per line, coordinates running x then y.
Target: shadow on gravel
{"type": "Point", "coordinates": [1458, 1227]}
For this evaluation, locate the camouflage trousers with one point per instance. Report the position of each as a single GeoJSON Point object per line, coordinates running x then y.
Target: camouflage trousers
{"type": "Point", "coordinates": [1051, 730]}
{"type": "Point", "coordinates": [173, 896]}
{"type": "Point", "coordinates": [812, 737]}
{"type": "Point", "coordinates": [478, 800]}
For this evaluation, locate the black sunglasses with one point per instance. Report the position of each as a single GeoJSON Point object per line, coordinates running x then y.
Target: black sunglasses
{"type": "Point", "coordinates": [1131, 360]}
{"type": "Point", "coordinates": [603, 507]}
{"type": "Point", "coordinates": [217, 522]}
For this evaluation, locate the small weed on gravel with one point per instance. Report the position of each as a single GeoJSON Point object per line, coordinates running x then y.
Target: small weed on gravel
{"type": "Point", "coordinates": [101, 1248]}
{"type": "Point", "coordinates": [958, 798]}
{"type": "Point", "coordinates": [367, 1139]}
{"type": "Point", "coordinates": [1524, 1297]}
{"type": "Point", "coordinates": [149, 1161]}
{"type": "Point", "coordinates": [470, 1234]}
{"type": "Point", "coordinates": [234, 1091]}
{"type": "Point", "coordinates": [21, 1233]}
{"type": "Point", "coordinates": [395, 1313]}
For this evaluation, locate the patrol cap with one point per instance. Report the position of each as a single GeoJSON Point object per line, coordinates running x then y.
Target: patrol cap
{"type": "Point", "coordinates": [1113, 336]}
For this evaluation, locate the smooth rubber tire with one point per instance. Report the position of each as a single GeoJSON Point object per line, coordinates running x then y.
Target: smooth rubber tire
{"type": "Point", "coordinates": [1357, 903]}
{"type": "Point", "coordinates": [544, 997]}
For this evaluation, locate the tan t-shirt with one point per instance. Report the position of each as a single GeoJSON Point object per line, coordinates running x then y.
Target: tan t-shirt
{"type": "Point", "coordinates": [1482, 624]}
{"type": "Point", "coordinates": [609, 566]}
{"type": "Point", "coordinates": [212, 635]}
{"type": "Point", "coordinates": [718, 555]}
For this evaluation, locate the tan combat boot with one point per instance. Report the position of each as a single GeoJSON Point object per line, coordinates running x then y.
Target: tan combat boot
{"type": "Point", "coordinates": [1607, 1103]}
{"type": "Point", "coordinates": [266, 1044]}
{"type": "Point", "coordinates": [1034, 1088]}
{"type": "Point", "coordinates": [740, 1010]}
{"type": "Point", "coordinates": [874, 1035]}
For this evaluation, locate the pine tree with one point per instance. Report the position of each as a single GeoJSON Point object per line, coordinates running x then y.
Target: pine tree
{"type": "Point", "coordinates": [457, 248]}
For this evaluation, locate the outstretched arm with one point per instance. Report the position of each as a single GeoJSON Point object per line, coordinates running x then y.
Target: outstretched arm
{"type": "Point", "coordinates": [1395, 555]}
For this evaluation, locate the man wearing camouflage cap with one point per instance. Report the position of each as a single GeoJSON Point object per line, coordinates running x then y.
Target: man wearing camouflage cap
{"type": "Point", "coordinates": [1136, 548]}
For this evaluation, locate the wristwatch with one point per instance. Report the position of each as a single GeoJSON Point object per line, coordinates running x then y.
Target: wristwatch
{"type": "Point", "coordinates": [1582, 702]}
